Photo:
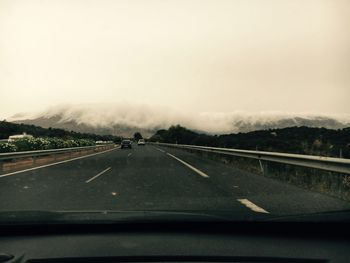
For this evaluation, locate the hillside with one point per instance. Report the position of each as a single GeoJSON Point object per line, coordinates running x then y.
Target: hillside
{"type": "Point", "coordinates": [8, 128]}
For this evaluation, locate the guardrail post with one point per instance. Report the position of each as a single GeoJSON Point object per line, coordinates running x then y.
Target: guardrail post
{"type": "Point", "coordinates": [261, 167]}
{"type": "Point", "coordinates": [266, 170]}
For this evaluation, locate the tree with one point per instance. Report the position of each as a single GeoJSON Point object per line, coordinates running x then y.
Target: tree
{"type": "Point", "coordinates": [137, 136]}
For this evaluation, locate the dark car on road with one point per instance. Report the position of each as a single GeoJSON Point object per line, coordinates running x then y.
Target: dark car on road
{"type": "Point", "coordinates": [125, 144]}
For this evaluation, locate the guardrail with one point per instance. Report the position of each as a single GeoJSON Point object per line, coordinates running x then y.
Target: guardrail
{"type": "Point", "coordinates": [25, 154]}
{"type": "Point", "coordinates": [338, 165]}
{"type": "Point", "coordinates": [14, 157]}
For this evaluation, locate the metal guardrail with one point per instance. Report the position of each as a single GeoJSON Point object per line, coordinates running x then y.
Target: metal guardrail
{"type": "Point", "coordinates": [338, 165]}
{"type": "Point", "coordinates": [25, 154]}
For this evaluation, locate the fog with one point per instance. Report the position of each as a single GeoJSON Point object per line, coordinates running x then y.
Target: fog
{"type": "Point", "coordinates": [222, 57]}
{"type": "Point", "coordinates": [147, 117]}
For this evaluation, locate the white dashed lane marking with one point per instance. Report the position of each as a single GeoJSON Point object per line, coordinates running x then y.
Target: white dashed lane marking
{"type": "Point", "coordinates": [252, 206]}
{"type": "Point", "coordinates": [97, 175]}
{"type": "Point", "coordinates": [189, 166]}
{"type": "Point", "coordinates": [159, 150]}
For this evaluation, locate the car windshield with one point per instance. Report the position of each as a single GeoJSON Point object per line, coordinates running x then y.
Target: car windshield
{"type": "Point", "coordinates": [198, 108]}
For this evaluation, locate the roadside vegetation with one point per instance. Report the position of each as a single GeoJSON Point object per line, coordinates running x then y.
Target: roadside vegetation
{"type": "Point", "coordinates": [137, 136]}
{"type": "Point", "coordinates": [299, 140]}
{"type": "Point", "coordinates": [32, 144]}
{"type": "Point", "coordinates": [45, 139]}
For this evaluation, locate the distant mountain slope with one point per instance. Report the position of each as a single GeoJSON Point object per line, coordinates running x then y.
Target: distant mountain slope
{"type": "Point", "coordinates": [9, 128]}
{"type": "Point", "coordinates": [316, 121]}
{"type": "Point", "coordinates": [72, 125]}
{"type": "Point", "coordinates": [125, 119]}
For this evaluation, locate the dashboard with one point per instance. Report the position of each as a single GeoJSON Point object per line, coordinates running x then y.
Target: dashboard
{"type": "Point", "coordinates": [176, 242]}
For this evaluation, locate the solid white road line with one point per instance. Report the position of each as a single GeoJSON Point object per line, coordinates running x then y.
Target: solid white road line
{"type": "Point", "coordinates": [252, 206]}
{"type": "Point", "coordinates": [189, 166]}
{"type": "Point", "coordinates": [159, 150]}
{"type": "Point", "coordinates": [97, 175]}
{"type": "Point", "coordinates": [52, 164]}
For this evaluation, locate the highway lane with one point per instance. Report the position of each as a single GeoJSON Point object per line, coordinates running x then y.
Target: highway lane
{"type": "Point", "coordinates": [154, 178]}
{"type": "Point", "coordinates": [275, 196]}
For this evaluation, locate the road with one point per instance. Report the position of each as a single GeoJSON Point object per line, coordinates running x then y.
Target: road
{"type": "Point", "coordinates": [154, 178]}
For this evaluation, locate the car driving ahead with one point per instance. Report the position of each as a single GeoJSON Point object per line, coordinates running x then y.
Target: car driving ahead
{"type": "Point", "coordinates": [125, 144]}
{"type": "Point", "coordinates": [141, 142]}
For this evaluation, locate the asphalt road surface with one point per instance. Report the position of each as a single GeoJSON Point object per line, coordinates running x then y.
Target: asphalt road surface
{"type": "Point", "coordinates": [155, 178]}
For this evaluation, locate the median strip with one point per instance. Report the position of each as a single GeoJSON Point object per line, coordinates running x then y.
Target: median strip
{"type": "Point", "coordinates": [252, 206]}
{"type": "Point", "coordinates": [97, 175]}
{"type": "Point", "coordinates": [189, 166]}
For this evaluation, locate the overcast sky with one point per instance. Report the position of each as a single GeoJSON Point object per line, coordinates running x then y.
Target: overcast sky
{"type": "Point", "coordinates": [198, 55]}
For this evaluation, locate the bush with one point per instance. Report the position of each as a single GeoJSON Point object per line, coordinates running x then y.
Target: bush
{"type": "Point", "coordinates": [84, 142]}
{"type": "Point", "coordinates": [7, 147]}
{"type": "Point", "coordinates": [56, 143]}
{"type": "Point", "coordinates": [25, 144]}
{"type": "Point", "coordinates": [32, 144]}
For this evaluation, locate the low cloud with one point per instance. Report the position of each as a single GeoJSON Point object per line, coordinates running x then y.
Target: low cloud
{"type": "Point", "coordinates": [149, 117]}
